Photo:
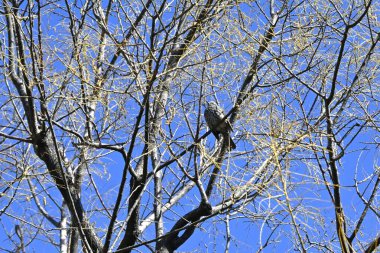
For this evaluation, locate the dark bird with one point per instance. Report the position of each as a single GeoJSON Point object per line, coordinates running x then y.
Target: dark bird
{"type": "Point", "coordinates": [213, 116]}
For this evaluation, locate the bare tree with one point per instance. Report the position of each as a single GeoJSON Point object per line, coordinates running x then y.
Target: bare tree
{"type": "Point", "coordinates": [104, 147]}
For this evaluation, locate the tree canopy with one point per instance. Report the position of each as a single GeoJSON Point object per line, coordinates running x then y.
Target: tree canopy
{"type": "Point", "coordinates": [104, 146]}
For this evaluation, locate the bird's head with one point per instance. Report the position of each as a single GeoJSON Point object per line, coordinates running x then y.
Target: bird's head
{"type": "Point", "coordinates": [211, 104]}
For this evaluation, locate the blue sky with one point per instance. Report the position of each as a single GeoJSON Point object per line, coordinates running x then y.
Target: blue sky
{"type": "Point", "coordinates": [231, 47]}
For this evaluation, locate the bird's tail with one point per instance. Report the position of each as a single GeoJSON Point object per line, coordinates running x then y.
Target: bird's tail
{"type": "Point", "coordinates": [230, 143]}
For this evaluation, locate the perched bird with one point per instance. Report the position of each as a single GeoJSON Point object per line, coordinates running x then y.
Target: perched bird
{"type": "Point", "coordinates": [213, 115]}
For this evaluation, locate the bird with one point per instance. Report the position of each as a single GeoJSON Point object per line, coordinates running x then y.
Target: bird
{"type": "Point", "coordinates": [213, 115]}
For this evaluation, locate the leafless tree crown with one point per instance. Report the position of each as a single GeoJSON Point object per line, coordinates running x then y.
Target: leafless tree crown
{"type": "Point", "coordinates": [104, 147]}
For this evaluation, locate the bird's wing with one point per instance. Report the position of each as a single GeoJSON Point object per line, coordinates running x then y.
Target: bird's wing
{"type": "Point", "coordinates": [207, 117]}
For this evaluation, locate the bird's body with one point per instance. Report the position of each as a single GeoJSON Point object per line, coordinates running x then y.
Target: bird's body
{"type": "Point", "coordinates": [213, 115]}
